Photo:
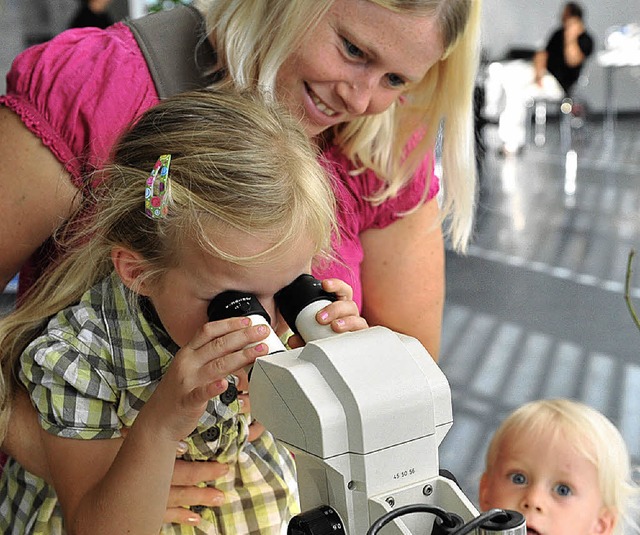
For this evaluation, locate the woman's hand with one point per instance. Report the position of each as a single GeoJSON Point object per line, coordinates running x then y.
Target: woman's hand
{"type": "Point", "coordinates": [185, 493]}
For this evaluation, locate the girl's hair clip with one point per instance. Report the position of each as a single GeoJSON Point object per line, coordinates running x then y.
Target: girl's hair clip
{"type": "Point", "coordinates": [156, 194]}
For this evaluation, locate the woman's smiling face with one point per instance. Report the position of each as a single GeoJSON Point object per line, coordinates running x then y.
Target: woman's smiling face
{"type": "Point", "coordinates": [356, 61]}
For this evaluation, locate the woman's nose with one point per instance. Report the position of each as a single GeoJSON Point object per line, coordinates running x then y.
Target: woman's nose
{"type": "Point", "coordinates": [356, 95]}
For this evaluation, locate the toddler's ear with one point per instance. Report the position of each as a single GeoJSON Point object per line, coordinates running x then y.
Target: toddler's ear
{"type": "Point", "coordinates": [483, 492]}
{"type": "Point", "coordinates": [129, 266]}
{"type": "Point", "coordinates": [606, 522]}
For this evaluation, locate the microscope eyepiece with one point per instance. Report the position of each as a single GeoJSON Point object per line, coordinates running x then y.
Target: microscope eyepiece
{"type": "Point", "coordinates": [298, 303]}
{"type": "Point", "coordinates": [507, 522]}
{"type": "Point", "coordinates": [233, 303]}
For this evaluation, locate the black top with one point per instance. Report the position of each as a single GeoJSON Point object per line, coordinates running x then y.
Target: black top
{"type": "Point", "coordinates": [556, 65]}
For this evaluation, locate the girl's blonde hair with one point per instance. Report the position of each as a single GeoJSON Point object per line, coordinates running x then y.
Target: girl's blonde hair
{"type": "Point", "coordinates": [253, 38]}
{"type": "Point", "coordinates": [236, 163]}
{"type": "Point", "coordinates": [594, 437]}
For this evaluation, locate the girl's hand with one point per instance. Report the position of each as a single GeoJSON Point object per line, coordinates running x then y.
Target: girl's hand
{"type": "Point", "coordinates": [342, 315]}
{"type": "Point", "coordinates": [198, 373]}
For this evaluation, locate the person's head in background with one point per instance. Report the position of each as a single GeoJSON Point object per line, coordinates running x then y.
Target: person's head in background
{"type": "Point", "coordinates": [572, 10]}
{"type": "Point", "coordinates": [368, 74]}
{"type": "Point", "coordinates": [564, 466]}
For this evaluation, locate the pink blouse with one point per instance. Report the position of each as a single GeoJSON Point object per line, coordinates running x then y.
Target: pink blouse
{"type": "Point", "coordinates": [78, 91]}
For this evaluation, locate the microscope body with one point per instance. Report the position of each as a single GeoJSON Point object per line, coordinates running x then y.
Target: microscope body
{"type": "Point", "coordinates": [364, 414]}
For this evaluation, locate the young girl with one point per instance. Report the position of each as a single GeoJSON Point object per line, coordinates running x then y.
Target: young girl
{"type": "Point", "coordinates": [207, 192]}
{"type": "Point", "coordinates": [564, 466]}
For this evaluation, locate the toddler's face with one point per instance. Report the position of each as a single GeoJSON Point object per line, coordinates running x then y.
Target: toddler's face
{"type": "Point", "coordinates": [182, 296]}
{"type": "Point", "coordinates": [550, 483]}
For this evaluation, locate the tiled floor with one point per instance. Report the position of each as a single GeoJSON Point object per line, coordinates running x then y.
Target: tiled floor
{"type": "Point", "coordinates": [536, 308]}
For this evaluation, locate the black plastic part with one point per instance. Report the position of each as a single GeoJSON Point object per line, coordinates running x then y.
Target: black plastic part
{"type": "Point", "coordinates": [293, 298]}
{"type": "Point", "coordinates": [229, 395]}
{"type": "Point", "coordinates": [232, 303]}
{"type": "Point", "coordinates": [449, 475]}
{"type": "Point", "coordinates": [443, 526]}
{"type": "Point", "coordinates": [501, 522]}
{"type": "Point", "coordinates": [323, 520]}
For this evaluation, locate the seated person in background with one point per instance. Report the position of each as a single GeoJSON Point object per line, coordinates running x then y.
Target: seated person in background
{"type": "Point", "coordinates": [92, 13]}
{"type": "Point", "coordinates": [551, 75]}
{"type": "Point", "coordinates": [564, 466]}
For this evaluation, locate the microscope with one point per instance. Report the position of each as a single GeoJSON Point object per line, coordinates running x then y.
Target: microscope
{"type": "Point", "coordinates": [363, 413]}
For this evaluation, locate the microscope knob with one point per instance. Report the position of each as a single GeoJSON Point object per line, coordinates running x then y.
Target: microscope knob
{"type": "Point", "coordinates": [322, 520]}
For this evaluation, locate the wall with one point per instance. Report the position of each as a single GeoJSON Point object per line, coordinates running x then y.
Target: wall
{"type": "Point", "coordinates": [529, 23]}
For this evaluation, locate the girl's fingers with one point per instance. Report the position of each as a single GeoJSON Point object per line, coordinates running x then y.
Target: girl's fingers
{"type": "Point", "coordinates": [349, 324]}
{"type": "Point", "coordinates": [228, 335]}
{"type": "Point", "coordinates": [343, 291]}
{"type": "Point", "coordinates": [336, 310]}
{"type": "Point", "coordinates": [222, 348]}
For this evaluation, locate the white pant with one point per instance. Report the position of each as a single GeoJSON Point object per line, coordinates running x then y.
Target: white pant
{"type": "Point", "coordinates": [512, 84]}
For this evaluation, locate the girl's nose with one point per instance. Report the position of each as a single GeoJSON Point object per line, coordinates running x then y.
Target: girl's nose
{"type": "Point", "coordinates": [270, 306]}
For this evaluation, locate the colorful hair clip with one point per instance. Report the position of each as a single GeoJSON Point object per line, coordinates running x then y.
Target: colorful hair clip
{"type": "Point", "coordinates": [156, 194]}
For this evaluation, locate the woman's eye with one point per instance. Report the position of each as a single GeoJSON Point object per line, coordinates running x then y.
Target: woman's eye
{"type": "Point", "coordinates": [351, 49]}
{"type": "Point", "coordinates": [518, 479]}
{"type": "Point", "coordinates": [395, 80]}
{"type": "Point", "coordinates": [563, 490]}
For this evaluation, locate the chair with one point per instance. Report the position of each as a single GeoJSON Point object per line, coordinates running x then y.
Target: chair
{"type": "Point", "coordinates": [565, 107]}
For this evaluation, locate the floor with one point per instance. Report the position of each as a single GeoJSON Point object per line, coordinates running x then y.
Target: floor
{"type": "Point", "coordinates": [536, 308]}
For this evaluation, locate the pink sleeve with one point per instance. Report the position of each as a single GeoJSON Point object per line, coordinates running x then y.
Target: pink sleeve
{"type": "Point", "coordinates": [409, 196]}
{"type": "Point", "coordinates": [353, 190]}
{"type": "Point", "coordinates": [78, 91]}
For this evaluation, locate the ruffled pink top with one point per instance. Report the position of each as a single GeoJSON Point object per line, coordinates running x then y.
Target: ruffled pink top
{"type": "Point", "coordinates": [78, 91]}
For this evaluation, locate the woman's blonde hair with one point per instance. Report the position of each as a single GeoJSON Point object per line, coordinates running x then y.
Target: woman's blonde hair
{"type": "Point", "coordinates": [592, 434]}
{"type": "Point", "coordinates": [236, 163]}
{"type": "Point", "coordinates": [254, 37]}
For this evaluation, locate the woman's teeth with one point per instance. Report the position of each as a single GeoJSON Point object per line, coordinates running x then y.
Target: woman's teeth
{"type": "Point", "coordinates": [322, 106]}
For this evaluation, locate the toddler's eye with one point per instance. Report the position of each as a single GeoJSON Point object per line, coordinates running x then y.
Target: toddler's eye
{"type": "Point", "coordinates": [563, 490]}
{"type": "Point", "coordinates": [351, 49]}
{"type": "Point", "coordinates": [518, 478]}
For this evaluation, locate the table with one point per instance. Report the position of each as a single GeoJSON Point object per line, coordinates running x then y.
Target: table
{"type": "Point", "coordinates": [610, 61]}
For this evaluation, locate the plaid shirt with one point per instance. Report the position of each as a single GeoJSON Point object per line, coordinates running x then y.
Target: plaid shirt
{"type": "Point", "coordinates": [90, 373]}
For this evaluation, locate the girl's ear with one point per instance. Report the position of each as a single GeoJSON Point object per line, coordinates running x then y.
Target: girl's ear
{"type": "Point", "coordinates": [606, 522]}
{"type": "Point", "coordinates": [130, 267]}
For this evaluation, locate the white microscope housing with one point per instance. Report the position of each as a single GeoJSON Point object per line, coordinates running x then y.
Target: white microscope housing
{"type": "Point", "coordinates": [364, 414]}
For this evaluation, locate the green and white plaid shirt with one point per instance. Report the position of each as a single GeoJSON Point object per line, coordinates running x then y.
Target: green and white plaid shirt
{"type": "Point", "coordinates": [90, 373]}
